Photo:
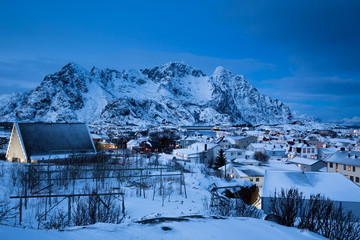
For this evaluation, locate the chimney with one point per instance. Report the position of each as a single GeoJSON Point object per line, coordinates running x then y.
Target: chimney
{"type": "Point", "coordinates": [205, 147]}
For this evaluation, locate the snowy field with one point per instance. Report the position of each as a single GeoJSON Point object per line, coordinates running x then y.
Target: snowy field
{"type": "Point", "coordinates": [153, 205]}
{"type": "Point", "coordinates": [233, 228]}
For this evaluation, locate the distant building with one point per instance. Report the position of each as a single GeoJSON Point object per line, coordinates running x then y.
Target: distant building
{"type": "Point", "coordinates": [308, 164]}
{"type": "Point", "coordinates": [347, 163]}
{"type": "Point", "coordinates": [31, 142]}
{"type": "Point", "coordinates": [303, 150]}
{"type": "Point", "coordinates": [240, 141]}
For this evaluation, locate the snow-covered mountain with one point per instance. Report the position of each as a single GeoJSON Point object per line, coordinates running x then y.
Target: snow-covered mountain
{"type": "Point", "coordinates": [174, 92]}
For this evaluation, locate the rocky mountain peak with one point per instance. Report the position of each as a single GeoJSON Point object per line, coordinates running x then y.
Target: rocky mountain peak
{"type": "Point", "coordinates": [172, 70]}
{"type": "Point", "coordinates": [173, 92]}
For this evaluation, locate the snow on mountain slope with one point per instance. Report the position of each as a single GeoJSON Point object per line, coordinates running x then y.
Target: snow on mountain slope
{"type": "Point", "coordinates": [174, 92]}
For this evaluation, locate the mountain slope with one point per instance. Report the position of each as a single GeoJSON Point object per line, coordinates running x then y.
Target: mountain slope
{"type": "Point", "coordinates": [174, 92]}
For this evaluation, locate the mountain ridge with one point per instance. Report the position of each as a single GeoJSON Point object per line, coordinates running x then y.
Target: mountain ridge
{"type": "Point", "coordinates": [174, 92]}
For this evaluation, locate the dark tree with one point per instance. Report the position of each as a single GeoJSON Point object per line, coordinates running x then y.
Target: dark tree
{"type": "Point", "coordinates": [261, 157]}
{"type": "Point", "coordinates": [220, 159]}
{"type": "Point", "coordinates": [167, 138]}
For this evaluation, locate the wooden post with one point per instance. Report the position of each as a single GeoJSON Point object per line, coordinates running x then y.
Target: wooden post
{"type": "Point", "coordinates": [183, 180]}
{"type": "Point", "coordinates": [20, 212]}
{"type": "Point", "coordinates": [161, 183]}
{"type": "Point", "coordinates": [69, 210]}
{"type": "Point", "coordinates": [123, 204]}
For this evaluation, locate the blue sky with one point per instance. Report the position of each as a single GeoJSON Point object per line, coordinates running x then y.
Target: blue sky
{"type": "Point", "coordinates": [304, 53]}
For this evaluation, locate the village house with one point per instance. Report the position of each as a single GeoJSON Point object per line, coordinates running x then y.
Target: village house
{"type": "Point", "coordinates": [102, 142]}
{"type": "Point", "coordinates": [346, 163]}
{"type": "Point", "coordinates": [199, 152]}
{"type": "Point", "coordinates": [324, 153]}
{"type": "Point", "coordinates": [233, 153]}
{"type": "Point", "coordinates": [308, 164]}
{"type": "Point", "coordinates": [240, 141]}
{"type": "Point", "coordinates": [303, 150]}
{"type": "Point", "coordinates": [270, 149]}
{"type": "Point", "coordinates": [32, 142]}
{"type": "Point", "coordinates": [186, 141]}
{"type": "Point", "coordinates": [334, 186]}
{"type": "Point", "coordinates": [252, 173]}
{"type": "Point", "coordinates": [135, 143]}
{"type": "Point", "coordinates": [150, 146]}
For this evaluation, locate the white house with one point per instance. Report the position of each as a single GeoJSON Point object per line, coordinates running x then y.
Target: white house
{"type": "Point", "coordinates": [303, 150]}
{"type": "Point", "coordinates": [233, 153]}
{"type": "Point", "coordinates": [334, 186]}
{"type": "Point", "coordinates": [347, 163]}
{"type": "Point", "coordinates": [199, 152]}
{"type": "Point", "coordinates": [308, 164]}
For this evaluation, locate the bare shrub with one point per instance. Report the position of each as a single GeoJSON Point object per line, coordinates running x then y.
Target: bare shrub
{"type": "Point", "coordinates": [58, 220]}
{"type": "Point", "coordinates": [233, 208]}
{"type": "Point", "coordinates": [286, 204]}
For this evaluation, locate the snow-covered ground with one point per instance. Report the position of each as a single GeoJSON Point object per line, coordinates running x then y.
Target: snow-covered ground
{"type": "Point", "coordinates": [232, 228]}
{"type": "Point", "coordinates": [155, 206]}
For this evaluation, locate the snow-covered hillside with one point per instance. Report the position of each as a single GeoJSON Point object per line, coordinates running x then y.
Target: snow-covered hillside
{"type": "Point", "coordinates": [174, 92]}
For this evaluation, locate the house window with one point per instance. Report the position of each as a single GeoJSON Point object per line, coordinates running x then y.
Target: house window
{"type": "Point", "coordinates": [304, 150]}
{"type": "Point", "coordinates": [352, 178]}
{"type": "Point", "coordinates": [344, 167]}
{"type": "Point", "coordinates": [251, 179]}
{"type": "Point", "coordinates": [257, 179]}
{"type": "Point", "coordinates": [308, 150]}
{"type": "Point", "coordinates": [305, 156]}
{"type": "Point", "coordinates": [357, 179]}
{"type": "Point", "coordinates": [313, 150]}
{"type": "Point", "coordinates": [349, 168]}
{"type": "Point", "coordinates": [353, 168]}
{"type": "Point", "coordinates": [336, 165]}
{"type": "Point", "coordinates": [331, 165]}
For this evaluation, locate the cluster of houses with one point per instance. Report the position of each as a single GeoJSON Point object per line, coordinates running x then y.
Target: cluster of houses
{"type": "Point", "coordinates": [299, 158]}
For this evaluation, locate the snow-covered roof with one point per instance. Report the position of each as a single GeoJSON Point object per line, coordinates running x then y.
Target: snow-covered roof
{"type": "Point", "coordinates": [345, 157]}
{"type": "Point", "coordinates": [302, 160]}
{"type": "Point", "coordinates": [332, 185]}
{"type": "Point", "coordinates": [136, 142]}
{"type": "Point", "coordinates": [234, 150]}
{"type": "Point", "coordinates": [245, 161]}
{"type": "Point", "coordinates": [330, 150]}
{"type": "Point", "coordinates": [195, 148]}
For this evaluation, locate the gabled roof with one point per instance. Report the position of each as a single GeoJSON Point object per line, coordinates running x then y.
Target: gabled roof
{"type": "Point", "coordinates": [302, 160]}
{"type": "Point", "coordinates": [345, 157]}
{"type": "Point", "coordinates": [48, 138]}
{"type": "Point", "coordinates": [332, 185]}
